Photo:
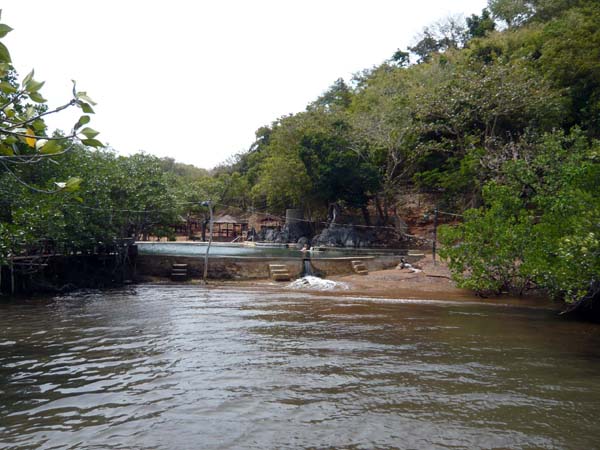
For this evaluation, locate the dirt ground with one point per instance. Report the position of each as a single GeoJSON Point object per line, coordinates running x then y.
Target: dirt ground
{"type": "Point", "coordinates": [432, 282]}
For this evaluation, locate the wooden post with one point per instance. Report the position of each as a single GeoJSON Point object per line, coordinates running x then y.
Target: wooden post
{"type": "Point", "coordinates": [12, 278]}
{"type": "Point", "coordinates": [435, 225]}
{"type": "Point", "coordinates": [208, 203]}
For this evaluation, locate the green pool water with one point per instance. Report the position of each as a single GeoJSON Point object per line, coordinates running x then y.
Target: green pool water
{"type": "Point", "coordinates": [199, 249]}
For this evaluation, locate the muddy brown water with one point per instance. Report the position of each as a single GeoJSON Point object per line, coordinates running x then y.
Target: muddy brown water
{"type": "Point", "coordinates": [183, 367]}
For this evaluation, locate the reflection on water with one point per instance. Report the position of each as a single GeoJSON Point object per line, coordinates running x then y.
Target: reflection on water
{"type": "Point", "coordinates": [188, 367]}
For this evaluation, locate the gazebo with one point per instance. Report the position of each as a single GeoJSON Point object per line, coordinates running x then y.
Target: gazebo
{"type": "Point", "coordinates": [269, 222]}
{"type": "Point", "coordinates": [227, 228]}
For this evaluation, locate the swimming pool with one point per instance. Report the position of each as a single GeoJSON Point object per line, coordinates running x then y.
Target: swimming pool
{"type": "Point", "coordinates": [259, 250]}
{"type": "Point", "coordinates": [239, 261]}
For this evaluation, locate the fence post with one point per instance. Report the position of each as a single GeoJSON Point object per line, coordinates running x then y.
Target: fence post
{"type": "Point", "coordinates": [435, 225]}
{"type": "Point", "coordinates": [210, 238]}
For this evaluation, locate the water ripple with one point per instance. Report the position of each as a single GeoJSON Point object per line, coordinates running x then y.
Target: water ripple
{"type": "Point", "coordinates": [188, 367]}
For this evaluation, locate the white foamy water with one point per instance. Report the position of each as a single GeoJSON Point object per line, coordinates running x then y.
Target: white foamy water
{"type": "Point", "coordinates": [316, 283]}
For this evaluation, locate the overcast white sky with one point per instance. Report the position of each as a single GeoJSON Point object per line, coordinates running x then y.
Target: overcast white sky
{"type": "Point", "coordinates": [193, 80]}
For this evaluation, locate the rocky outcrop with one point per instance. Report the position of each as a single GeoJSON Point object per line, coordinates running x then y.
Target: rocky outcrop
{"type": "Point", "coordinates": [289, 233]}
{"type": "Point", "coordinates": [335, 235]}
{"type": "Point", "coordinates": [344, 236]}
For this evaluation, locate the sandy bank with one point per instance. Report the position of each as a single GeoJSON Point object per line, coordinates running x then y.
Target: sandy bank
{"type": "Point", "coordinates": [431, 282]}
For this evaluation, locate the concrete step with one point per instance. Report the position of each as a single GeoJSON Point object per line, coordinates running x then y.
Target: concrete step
{"type": "Point", "coordinates": [281, 277]}
{"type": "Point", "coordinates": [178, 276]}
{"type": "Point", "coordinates": [279, 272]}
{"type": "Point", "coordinates": [360, 267]}
{"type": "Point", "coordinates": [179, 272]}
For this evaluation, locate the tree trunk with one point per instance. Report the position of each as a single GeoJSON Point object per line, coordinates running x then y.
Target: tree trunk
{"type": "Point", "coordinates": [204, 223]}
{"type": "Point", "coordinates": [380, 215]}
{"type": "Point", "coordinates": [366, 216]}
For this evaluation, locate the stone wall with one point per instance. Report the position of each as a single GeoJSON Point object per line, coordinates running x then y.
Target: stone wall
{"type": "Point", "coordinates": [219, 267]}
{"type": "Point", "coordinates": [343, 266]}
{"type": "Point", "coordinates": [247, 268]}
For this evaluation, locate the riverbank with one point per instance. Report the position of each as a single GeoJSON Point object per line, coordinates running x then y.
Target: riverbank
{"type": "Point", "coordinates": [429, 282]}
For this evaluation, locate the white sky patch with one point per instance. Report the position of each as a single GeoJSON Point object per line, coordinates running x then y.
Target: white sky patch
{"type": "Point", "coordinates": [194, 80]}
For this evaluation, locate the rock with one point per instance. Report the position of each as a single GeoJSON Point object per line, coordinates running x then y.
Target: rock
{"type": "Point", "coordinates": [303, 241]}
{"type": "Point", "coordinates": [344, 236]}
{"type": "Point", "coordinates": [298, 230]}
{"type": "Point", "coordinates": [335, 235]}
{"type": "Point", "coordinates": [400, 224]}
{"type": "Point", "coordinates": [359, 237]}
{"type": "Point", "coordinates": [289, 233]}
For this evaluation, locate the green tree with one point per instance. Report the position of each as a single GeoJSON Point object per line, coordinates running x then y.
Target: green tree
{"type": "Point", "coordinates": [480, 26]}
{"type": "Point", "coordinates": [469, 117]}
{"type": "Point", "coordinates": [570, 58]}
{"type": "Point", "coordinates": [26, 149]}
{"type": "Point", "coordinates": [540, 227]}
{"type": "Point", "coordinates": [338, 96]}
{"type": "Point", "coordinates": [450, 33]}
{"type": "Point", "coordinates": [513, 12]}
{"type": "Point", "coordinates": [383, 132]}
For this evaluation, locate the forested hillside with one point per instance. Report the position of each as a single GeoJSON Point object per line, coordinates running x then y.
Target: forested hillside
{"type": "Point", "coordinates": [496, 117]}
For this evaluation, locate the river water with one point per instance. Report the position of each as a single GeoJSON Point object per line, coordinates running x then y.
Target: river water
{"type": "Point", "coordinates": [184, 367]}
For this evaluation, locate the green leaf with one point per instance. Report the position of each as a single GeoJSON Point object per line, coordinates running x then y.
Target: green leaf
{"type": "Point", "coordinates": [11, 140]}
{"type": "Point", "coordinates": [4, 69]}
{"type": "Point", "coordinates": [72, 184]}
{"type": "Point", "coordinates": [83, 96]}
{"type": "Point", "coordinates": [6, 150]}
{"type": "Point", "coordinates": [4, 30]}
{"type": "Point", "coordinates": [92, 143]}
{"type": "Point", "coordinates": [4, 53]}
{"type": "Point", "coordinates": [39, 125]}
{"type": "Point", "coordinates": [89, 133]}
{"type": "Point", "coordinates": [37, 97]}
{"type": "Point", "coordinates": [50, 148]}
{"type": "Point", "coordinates": [78, 198]}
{"type": "Point", "coordinates": [28, 78]}
{"type": "Point", "coordinates": [7, 88]}
{"type": "Point", "coordinates": [86, 108]}
{"type": "Point", "coordinates": [33, 86]}
{"type": "Point", "coordinates": [81, 122]}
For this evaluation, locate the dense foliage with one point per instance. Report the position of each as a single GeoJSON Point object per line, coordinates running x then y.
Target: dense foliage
{"type": "Point", "coordinates": [539, 225]}
{"type": "Point", "coordinates": [497, 116]}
